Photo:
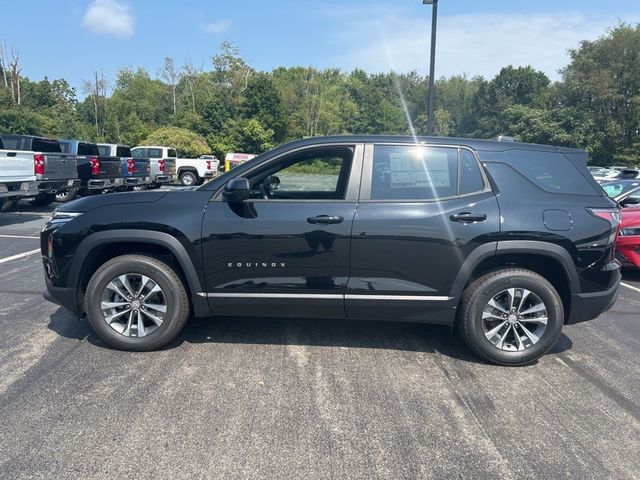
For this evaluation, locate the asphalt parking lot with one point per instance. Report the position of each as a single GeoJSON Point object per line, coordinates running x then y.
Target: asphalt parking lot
{"type": "Point", "coordinates": [249, 398]}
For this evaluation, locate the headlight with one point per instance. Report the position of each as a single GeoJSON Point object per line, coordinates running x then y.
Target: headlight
{"type": "Point", "coordinates": [630, 231]}
{"type": "Point", "coordinates": [59, 216]}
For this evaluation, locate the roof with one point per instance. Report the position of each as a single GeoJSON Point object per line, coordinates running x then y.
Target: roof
{"type": "Point", "coordinates": [476, 144]}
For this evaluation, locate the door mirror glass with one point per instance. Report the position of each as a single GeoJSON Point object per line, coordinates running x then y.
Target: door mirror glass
{"type": "Point", "coordinates": [272, 183]}
{"type": "Point", "coordinates": [630, 201]}
{"type": "Point", "coordinates": [237, 190]}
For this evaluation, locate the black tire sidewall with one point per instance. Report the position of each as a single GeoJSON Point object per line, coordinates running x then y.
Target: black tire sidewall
{"type": "Point", "coordinates": [543, 290]}
{"type": "Point", "coordinates": [93, 298]}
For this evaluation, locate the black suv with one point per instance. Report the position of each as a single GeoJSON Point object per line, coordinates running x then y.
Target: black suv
{"type": "Point", "coordinates": [506, 241]}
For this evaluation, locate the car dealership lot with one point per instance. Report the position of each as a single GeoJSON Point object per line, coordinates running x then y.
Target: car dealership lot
{"type": "Point", "coordinates": [285, 398]}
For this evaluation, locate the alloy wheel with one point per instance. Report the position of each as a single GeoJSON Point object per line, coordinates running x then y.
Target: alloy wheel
{"type": "Point", "coordinates": [133, 305]}
{"type": "Point", "coordinates": [514, 319]}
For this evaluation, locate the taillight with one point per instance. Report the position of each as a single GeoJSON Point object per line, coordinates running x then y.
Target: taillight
{"type": "Point", "coordinates": [161, 165]}
{"type": "Point", "coordinates": [95, 165]}
{"type": "Point", "coordinates": [130, 165]}
{"type": "Point", "coordinates": [208, 164]}
{"type": "Point", "coordinates": [611, 215]}
{"type": "Point", "coordinates": [38, 164]}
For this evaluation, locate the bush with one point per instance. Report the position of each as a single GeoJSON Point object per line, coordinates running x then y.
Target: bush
{"type": "Point", "coordinates": [186, 142]}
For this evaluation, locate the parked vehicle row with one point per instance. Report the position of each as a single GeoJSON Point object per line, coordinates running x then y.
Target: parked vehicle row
{"type": "Point", "coordinates": [44, 170]}
{"type": "Point", "coordinates": [627, 194]}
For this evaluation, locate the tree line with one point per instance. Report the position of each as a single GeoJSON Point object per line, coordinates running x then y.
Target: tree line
{"type": "Point", "coordinates": [230, 106]}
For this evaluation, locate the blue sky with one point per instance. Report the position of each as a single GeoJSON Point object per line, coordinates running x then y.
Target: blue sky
{"type": "Point", "coordinates": [69, 38]}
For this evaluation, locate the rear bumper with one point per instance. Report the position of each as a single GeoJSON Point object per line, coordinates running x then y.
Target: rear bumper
{"type": "Point", "coordinates": [18, 189]}
{"type": "Point", "coordinates": [99, 184]}
{"type": "Point", "coordinates": [587, 306]}
{"type": "Point", "coordinates": [134, 181]}
{"type": "Point", "coordinates": [163, 178]}
{"type": "Point", "coordinates": [57, 186]}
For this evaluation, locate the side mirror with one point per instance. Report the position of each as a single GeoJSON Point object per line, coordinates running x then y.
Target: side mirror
{"type": "Point", "coordinates": [272, 183]}
{"type": "Point", "coordinates": [237, 190]}
{"type": "Point", "coordinates": [627, 202]}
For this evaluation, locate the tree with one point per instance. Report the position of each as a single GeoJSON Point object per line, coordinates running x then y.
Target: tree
{"type": "Point", "coordinates": [186, 142]}
{"type": "Point", "coordinates": [96, 90]}
{"type": "Point", "coordinates": [171, 76]}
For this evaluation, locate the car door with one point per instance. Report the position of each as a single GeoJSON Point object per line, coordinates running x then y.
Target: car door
{"type": "Point", "coordinates": [285, 251]}
{"type": "Point", "coordinates": [423, 209]}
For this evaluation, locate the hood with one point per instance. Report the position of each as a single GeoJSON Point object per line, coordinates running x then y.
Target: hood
{"type": "Point", "coordinates": [630, 217]}
{"type": "Point", "coordinates": [86, 204]}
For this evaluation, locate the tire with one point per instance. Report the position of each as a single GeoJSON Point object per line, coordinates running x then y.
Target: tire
{"type": "Point", "coordinates": [496, 287]}
{"type": "Point", "coordinates": [43, 199]}
{"type": "Point", "coordinates": [8, 203]}
{"type": "Point", "coordinates": [154, 335]}
{"type": "Point", "coordinates": [189, 179]}
{"type": "Point", "coordinates": [67, 196]}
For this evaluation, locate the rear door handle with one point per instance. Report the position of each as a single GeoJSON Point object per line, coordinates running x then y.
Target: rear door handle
{"type": "Point", "coordinates": [468, 217]}
{"type": "Point", "coordinates": [324, 219]}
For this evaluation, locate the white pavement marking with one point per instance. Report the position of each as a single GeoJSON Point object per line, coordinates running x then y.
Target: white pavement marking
{"type": "Point", "coordinates": [630, 286]}
{"type": "Point", "coordinates": [20, 255]}
{"type": "Point", "coordinates": [19, 236]}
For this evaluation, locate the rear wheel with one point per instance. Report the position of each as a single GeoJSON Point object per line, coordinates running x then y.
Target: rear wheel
{"type": "Point", "coordinates": [43, 199]}
{"type": "Point", "coordinates": [8, 203]}
{"type": "Point", "coordinates": [66, 196]}
{"type": "Point", "coordinates": [188, 179]}
{"type": "Point", "coordinates": [136, 302]}
{"type": "Point", "coordinates": [511, 317]}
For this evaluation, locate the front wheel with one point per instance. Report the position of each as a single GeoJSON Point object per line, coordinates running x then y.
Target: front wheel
{"type": "Point", "coordinates": [8, 203]}
{"type": "Point", "coordinates": [188, 179]}
{"type": "Point", "coordinates": [136, 303]}
{"type": "Point", "coordinates": [511, 316]}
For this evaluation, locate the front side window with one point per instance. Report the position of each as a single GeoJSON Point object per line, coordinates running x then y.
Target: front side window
{"type": "Point", "coordinates": [316, 174]}
{"type": "Point", "coordinates": [410, 172]}
{"type": "Point", "coordinates": [171, 152]}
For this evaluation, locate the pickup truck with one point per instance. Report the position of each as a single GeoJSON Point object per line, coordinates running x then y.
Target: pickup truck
{"type": "Point", "coordinates": [96, 173]}
{"type": "Point", "coordinates": [163, 163]}
{"type": "Point", "coordinates": [136, 172]}
{"type": "Point", "coordinates": [194, 171]}
{"type": "Point", "coordinates": [34, 167]}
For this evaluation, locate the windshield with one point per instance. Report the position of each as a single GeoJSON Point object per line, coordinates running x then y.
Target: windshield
{"type": "Point", "coordinates": [615, 189]}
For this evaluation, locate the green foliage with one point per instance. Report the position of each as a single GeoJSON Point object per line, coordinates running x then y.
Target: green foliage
{"type": "Point", "coordinates": [186, 142]}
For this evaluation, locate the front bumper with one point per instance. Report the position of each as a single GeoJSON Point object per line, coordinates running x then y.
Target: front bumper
{"type": "Point", "coordinates": [628, 250]}
{"type": "Point", "coordinates": [65, 297]}
{"type": "Point", "coordinates": [587, 306]}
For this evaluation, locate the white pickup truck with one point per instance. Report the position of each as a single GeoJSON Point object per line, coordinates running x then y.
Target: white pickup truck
{"type": "Point", "coordinates": [193, 171]}
{"type": "Point", "coordinates": [34, 167]}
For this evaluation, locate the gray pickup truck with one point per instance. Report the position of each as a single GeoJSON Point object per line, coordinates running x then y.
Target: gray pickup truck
{"type": "Point", "coordinates": [96, 173]}
{"type": "Point", "coordinates": [35, 167]}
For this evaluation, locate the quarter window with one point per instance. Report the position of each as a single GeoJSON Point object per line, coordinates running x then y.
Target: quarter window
{"type": "Point", "coordinates": [470, 177]}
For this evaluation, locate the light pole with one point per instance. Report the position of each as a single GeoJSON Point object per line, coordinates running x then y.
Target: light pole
{"type": "Point", "coordinates": [432, 66]}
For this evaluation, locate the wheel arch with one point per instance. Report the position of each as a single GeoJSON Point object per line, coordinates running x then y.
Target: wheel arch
{"type": "Point", "coordinates": [547, 259]}
{"type": "Point", "coordinates": [102, 246]}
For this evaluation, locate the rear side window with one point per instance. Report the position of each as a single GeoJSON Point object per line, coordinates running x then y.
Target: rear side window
{"type": "Point", "coordinates": [123, 151]}
{"type": "Point", "coordinates": [172, 153]}
{"type": "Point", "coordinates": [154, 152]}
{"type": "Point", "coordinates": [139, 153]}
{"type": "Point", "coordinates": [45, 145]}
{"type": "Point", "coordinates": [105, 150]}
{"type": "Point", "coordinates": [409, 172]}
{"type": "Point", "coordinates": [552, 172]}
{"type": "Point", "coordinates": [88, 149]}
{"type": "Point", "coordinates": [471, 180]}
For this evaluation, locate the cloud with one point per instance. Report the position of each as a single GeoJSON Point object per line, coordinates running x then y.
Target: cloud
{"type": "Point", "coordinates": [476, 44]}
{"type": "Point", "coordinates": [217, 27]}
{"type": "Point", "coordinates": [112, 18]}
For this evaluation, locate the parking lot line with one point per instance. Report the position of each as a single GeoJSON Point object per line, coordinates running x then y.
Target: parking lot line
{"type": "Point", "coordinates": [19, 236]}
{"type": "Point", "coordinates": [20, 255]}
{"type": "Point", "coordinates": [630, 286]}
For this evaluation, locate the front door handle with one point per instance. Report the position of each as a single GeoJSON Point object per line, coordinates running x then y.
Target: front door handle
{"type": "Point", "coordinates": [468, 217]}
{"type": "Point", "coordinates": [324, 219]}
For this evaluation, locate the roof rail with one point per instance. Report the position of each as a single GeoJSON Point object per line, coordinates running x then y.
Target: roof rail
{"type": "Point", "coordinates": [506, 138]}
